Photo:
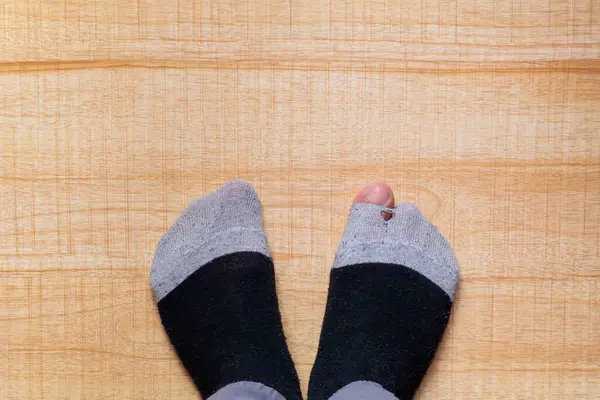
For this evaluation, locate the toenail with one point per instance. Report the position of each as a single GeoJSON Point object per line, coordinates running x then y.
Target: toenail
{"type": "Point", "coordinates": [378, 197]}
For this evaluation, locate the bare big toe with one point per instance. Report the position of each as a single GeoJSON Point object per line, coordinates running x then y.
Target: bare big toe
{"type": "Point", "coordinates": [377, 193]}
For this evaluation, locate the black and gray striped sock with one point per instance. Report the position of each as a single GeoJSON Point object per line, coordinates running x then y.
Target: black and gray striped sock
{"type": "Point", "coordinates": [390, 295]}
{"type": "Point", "coordinates": [214, 283]}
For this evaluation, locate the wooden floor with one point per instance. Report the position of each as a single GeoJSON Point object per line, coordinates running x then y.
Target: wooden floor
{"type": "Point", "coordinates": [115, 114]}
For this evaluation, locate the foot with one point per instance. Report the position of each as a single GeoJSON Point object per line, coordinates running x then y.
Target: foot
{"type": "Point", "coordinates": [214, 283]}
{"type": "Point", "coordinates": [390, 295]}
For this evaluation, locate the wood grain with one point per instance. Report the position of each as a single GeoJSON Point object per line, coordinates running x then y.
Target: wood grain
{"type": "Point", "coordinates": [115, 114]}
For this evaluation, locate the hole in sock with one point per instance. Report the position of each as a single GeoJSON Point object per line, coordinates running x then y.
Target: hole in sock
{"type": "Point", "coordinates": [387, 213]}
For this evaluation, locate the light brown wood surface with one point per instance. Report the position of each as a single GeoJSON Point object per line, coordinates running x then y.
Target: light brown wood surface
{"type": "Point", "coordinates": [115, 114]}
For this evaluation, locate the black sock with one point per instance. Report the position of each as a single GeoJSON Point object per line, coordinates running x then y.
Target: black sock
{"type": "Point", "coordinates": [214, 283]}
{"type": "Point", "coordinates": [389, 301]}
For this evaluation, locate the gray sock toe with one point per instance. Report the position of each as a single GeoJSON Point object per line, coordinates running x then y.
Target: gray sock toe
{"type": "Point", "coordinates": [407, 239]}
{"type": "Point", "coordinates": [224, 222]}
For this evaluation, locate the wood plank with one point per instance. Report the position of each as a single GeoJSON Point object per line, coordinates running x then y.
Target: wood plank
{"type": "Point", "coordinates": [114, 115]}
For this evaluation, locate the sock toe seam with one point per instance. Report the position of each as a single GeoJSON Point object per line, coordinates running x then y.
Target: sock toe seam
{"type": "Point", "coordinates": [444, 265]}
{"type": "Point", "coordinates": [196, 247]}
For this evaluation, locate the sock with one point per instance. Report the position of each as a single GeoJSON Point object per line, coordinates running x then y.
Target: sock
{"type": "Point", "coordinates": [214, 283]}
{"type": "Point", "coordinates": [389, 300]}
